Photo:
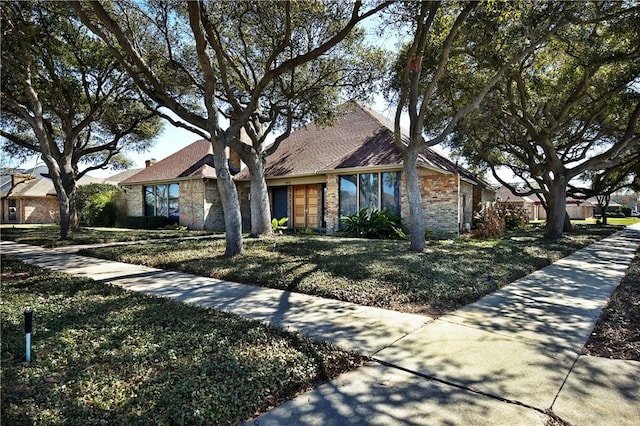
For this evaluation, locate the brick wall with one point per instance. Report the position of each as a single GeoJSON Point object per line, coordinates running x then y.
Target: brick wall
{"type": "Point", "coordinates": [440, 201]}
{"type": "Point", "coordinates": [38, 210]}
{"type": "Point", "coordinates": [332, 217]}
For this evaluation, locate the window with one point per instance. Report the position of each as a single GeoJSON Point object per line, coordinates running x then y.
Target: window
{"type": "Point", "coordinates": [163, 200]}
{"type": "Point", "coordinates": [379, 191]}
{"type": "Point", "coordinates": [174, 206]}
{"type": "Point", "coordinates": [390, 192]}
{"type": "Point", "coordinates": [368, 191]}
{"type": "Point", "coordinates": [149, 200]}
{"type": "Point", "coordinates": [13, 210]}
{"type": "Point", "coordinates": [348, 195]}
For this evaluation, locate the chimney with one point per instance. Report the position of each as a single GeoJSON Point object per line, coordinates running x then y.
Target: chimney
{"type": "Point", "coordinates": [149, 162]}
{"type": "Point", "coordinates": [19, 178]}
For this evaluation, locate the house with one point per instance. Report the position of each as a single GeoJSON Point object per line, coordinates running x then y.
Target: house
{"type": "Point", "coordinates": [181, 187]}
{"type": "Point", "coordinates": [576, 208]}
{"type": "Point", "coordinates": [315, 177]}
{"type": "Point", "coordinates": [30, 196]}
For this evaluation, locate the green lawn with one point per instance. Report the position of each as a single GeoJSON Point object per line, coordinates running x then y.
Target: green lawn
{"type": "Point", "coordinates": [49, 235]}
{"type": "Point", "coordinates": [101, 355]}
{"type": "Point", "coordinates": [447, 275]}
{"type": "Point", "coordinates": [614, 221]}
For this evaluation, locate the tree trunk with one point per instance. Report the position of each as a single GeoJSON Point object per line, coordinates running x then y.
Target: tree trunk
{"type": "Point", "coordinates": [64, 181]}
{"type": "Point", "coordinates": [556, 208]}
{"type": "Point", "coordinates": [229, 198]}
{"type": "Point", "coordinates": [567, 227]}
{"type": "Point", "coordinates": [260, 205]}
{"type": "Point", "coordinates": [415, 220]}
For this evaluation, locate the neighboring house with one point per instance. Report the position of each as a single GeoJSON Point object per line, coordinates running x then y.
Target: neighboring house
{"type": "Point", "coordinates": [30, 197]}
{"type": "Point", "coordinates": [317, 175]}
{"type": "Point", "coordinates": [181, 187]}
{"type": "Point", "coordinates": [577, 209]}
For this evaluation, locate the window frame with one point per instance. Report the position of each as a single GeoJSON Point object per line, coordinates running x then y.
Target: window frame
{"type": "Point", "coordinates": [379, 196]}
{"type": "Point", "coordinates": [152, 203]}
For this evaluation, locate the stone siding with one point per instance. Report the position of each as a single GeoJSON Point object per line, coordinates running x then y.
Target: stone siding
{"type": "Point", "coordinates": [192, 203]}
{"type": "Point", "coordinates": [212, 209]}
{"type": "Point", "coordinates": [332, 217]}
{"type": "Point", "coordinates": [134, 201]}
{"type": "Point", "coordinates": [200, 205]}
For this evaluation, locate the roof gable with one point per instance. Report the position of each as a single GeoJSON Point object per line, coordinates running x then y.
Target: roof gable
{"type": "Point", "coordinates": [195, 160]}
{"type": "Point", "coordinates": [359, 138]}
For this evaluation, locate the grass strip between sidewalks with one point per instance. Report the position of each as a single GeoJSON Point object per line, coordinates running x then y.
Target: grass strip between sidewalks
{"type": "Point", "coordinates": [382, 273]}
{"type": "Point", "coordinates": [101, 354]}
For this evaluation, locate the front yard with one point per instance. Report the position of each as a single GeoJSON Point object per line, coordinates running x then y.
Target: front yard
{"type": "Point", "coordinates": [102, 355]}
{"type": "Point", "coordinates": [446, 276]}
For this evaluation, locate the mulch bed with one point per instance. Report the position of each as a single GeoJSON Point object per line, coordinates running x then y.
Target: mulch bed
{"type": "Point", "coordinates": [617, 333]}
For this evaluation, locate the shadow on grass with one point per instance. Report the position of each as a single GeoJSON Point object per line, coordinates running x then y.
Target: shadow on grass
{"type": "Point", "coordinates": [101, 354]}
{"type": "Point", "coordinates": [447, 275]}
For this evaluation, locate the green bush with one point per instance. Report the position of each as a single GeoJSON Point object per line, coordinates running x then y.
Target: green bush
{"type": "Point", "coordinates": [372, 223]}
{"type": "Point", "coordinates": [145, 222]}
{"type": "Point", "coordinates": [97, 204]}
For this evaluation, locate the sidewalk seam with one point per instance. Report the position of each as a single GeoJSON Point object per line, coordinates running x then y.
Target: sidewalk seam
{"type": "Point", "coordinates": [461, 387]}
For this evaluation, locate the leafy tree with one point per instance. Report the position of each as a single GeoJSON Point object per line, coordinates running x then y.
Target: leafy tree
{"type": "Point", "coordinates": [604, 183]}
{"type": "Point", "coordinates": [264, 66]}
{"type": "Point", "coordinates": [64, 97]}
{"type": "Point", "coordinates": [447, 37]}
{"type": "Point", "coordinates": [98, 204]}
{"type": "Point", "coordinates": [569, 107]}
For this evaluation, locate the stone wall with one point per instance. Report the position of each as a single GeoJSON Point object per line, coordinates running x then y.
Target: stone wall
{"type": "Point", "coordinates": [134, 201]}
{"type": "Point", "coordinates": [332, 217]}
{"type": "Point", "coordinates": [212, 210]}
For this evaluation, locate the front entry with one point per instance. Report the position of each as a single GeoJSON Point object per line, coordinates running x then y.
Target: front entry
{"type": "Point", "coordinates": [305, 206]}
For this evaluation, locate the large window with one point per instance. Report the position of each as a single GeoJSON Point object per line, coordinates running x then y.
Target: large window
{"type": "Point", "coordinates": [348, 195]}
{"type": "Point", "coordinates": [379, 191]}
{"type": "Point", "coordinates": [163, 200]}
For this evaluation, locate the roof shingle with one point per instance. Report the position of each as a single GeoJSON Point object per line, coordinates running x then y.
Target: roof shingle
{"type": "Point", "coordinates": [195, 160]}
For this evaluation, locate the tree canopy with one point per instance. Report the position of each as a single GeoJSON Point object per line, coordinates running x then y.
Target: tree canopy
{"type": "Point", "coordinates": [263, 66]}
{"type": "Point", "coordinates": [65, 98]}
{"type": "Point", "coordinates": [568, 107]}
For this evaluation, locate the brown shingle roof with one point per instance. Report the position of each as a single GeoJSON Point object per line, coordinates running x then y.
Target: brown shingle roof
{"type": "Point", "coordinates": [195, 160]}
{"type": "Point", "coordinates": [359, 138]}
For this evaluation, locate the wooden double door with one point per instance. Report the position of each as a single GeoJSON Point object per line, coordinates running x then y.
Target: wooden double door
{"type": "Point", "coordinates": [305, 206]}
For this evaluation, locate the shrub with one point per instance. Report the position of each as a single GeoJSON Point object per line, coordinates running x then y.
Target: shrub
{"type": "Point", "coordinates": [372, 223]}
{"type": "Point", "coordinates": [488, 222]}
{"type": "Point", "coordinates": [514, 216]}
{"type": "Point", "coordinates": [145, 222]}
{"type": "Point", "coordinates": [97, 204]}
{"type": "Point", "coordinates": [279, 224]}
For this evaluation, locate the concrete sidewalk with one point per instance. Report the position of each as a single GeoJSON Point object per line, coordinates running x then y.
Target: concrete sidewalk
{"type": "Point", "coordinates": [509, 358]}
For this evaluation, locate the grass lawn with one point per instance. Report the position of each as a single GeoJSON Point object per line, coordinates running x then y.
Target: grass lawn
{"type": "Point", "coordinates": [48, 235]}
{"type": "Point", "coordinates": [614, 221]}
{"type": "Point", "coordinates": [447, 275]}
{"type": "Point", "coordinates": [101, 355]}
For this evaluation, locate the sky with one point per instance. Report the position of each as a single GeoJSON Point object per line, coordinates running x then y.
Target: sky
{"type": "Point", "coordinates": [172, 139]}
